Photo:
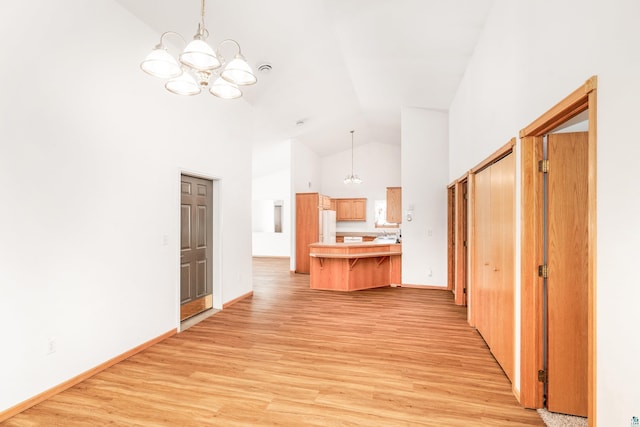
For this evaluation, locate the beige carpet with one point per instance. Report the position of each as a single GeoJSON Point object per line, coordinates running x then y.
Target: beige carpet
{"type": "Point", "coordinates": [552, 419]}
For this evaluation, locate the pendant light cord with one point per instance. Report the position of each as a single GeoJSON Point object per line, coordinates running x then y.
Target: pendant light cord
{"type": "Point", "coordinates": [351, 151]}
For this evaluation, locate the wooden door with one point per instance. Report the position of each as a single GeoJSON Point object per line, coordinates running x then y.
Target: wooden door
{"type": "Point", "coordinates": [501, 270]}
{"type": "Point", "coordinates": [451, 236]}
{"type": "Point", "coordinates": [394, 205]}
{"type": "Point", "coordinates": [461, 264]}
{"type": "Point", "coordinates": [307, 228]}
{"type": "Point", "coordinates": [493, 285]}
{"type": "Point", "coordinates": [482, 233]}
{"type": "Point", "coordinates": [196, 222]}
{"type": "Point", "coordinates": [567, 237]}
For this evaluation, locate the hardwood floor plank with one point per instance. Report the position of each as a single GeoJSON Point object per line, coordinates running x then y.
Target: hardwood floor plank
{"type": "Point", "coordinates": [293, 356]}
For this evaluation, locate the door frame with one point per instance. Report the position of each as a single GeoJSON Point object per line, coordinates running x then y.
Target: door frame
{"type": "Point", "coordinates": [582, 99]}
{"type": "Point", "coordinates": [452, 228]}
{"type": "Point", "coordinates": [458, 235]}
{"type": "Point", "coordinates": [462, 240]}
{"type": "Point", "coordinates": [216, 236]}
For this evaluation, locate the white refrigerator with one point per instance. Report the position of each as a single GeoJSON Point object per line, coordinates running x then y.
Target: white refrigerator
{"type": "Point", "coordinates": [327, 226]}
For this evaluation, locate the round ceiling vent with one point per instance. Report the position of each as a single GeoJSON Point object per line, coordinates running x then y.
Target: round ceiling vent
{"type": "Point", "coordinates": [265, 68]}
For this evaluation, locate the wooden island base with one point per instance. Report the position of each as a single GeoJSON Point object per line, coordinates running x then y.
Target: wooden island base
{"type": "Point", "coordinates": [354, 266]}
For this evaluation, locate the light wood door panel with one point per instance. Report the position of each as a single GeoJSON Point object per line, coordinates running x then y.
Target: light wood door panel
{"type": "Point", "coordinates": [196, 220]}
{"type": "Point", "coordinates": [307, 228]}
{"type": "Point", "coordinates": [451, 236]}
{"type": "Point", "coordinates": [482, 233]}
{"type": "Point", "coordinates": [501, 269]}
{"type": "Point", "coordinates": [493, 284]}
{"type": "Point", "coordinates": [568, 269]}
{"type": "Point", "coordinates": [462, 236]}
{"type": "Point", "coordinates": [394, 205]}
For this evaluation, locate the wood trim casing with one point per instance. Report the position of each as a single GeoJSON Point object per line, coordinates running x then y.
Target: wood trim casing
{"type": "Point", "coordinates": [574, 104]}
{"type": "Point", "coordinates": [583, 98]}
{"type": "Point", "coordinates": [235, 300]}
{"type": "Point", "coordinates": [471, 213]}
{"type": "Point", "coordinates": [592, 249]}
{"type": "Point", "coordinates": [461, 235]}
{"type": "Point", "coordinates": [531, 287]}
{"type": "Point", "coordinates": [496, 155]}
{"type": "Point", "coordinates": [15, 410]}
{"type": "Point", "coordinates": [451, 236]}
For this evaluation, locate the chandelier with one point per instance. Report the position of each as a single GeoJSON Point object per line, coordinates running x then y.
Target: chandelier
{"type": "Point", "coordinates": [199, 67]}
{"type": "Point", "coordinates": [352, 179]}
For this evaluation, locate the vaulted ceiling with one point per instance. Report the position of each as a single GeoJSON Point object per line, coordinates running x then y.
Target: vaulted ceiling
{"type": "Point", "coordinates": [337, 65]}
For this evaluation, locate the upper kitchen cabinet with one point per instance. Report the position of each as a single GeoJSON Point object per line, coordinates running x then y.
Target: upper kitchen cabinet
{"type": "Point", "coordinates": [394, 205]}
{"type": "Point", "coordinates": [351, 209]}
{"type": "Point", "coordinates": [325, 202]}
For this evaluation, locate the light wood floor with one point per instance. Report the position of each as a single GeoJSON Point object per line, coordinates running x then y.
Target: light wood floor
{"type": "Point", "coordinates": [295, 357]}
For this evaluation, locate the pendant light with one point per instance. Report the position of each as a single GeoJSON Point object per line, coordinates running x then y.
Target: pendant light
{"type": "Point", "coordinates": [352, 179]}
{"type": "Point", "coordinates": [199, 66]}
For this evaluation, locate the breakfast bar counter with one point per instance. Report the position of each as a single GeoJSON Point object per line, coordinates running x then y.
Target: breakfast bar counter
{"type": "Point", "coordinates": [354, 266]}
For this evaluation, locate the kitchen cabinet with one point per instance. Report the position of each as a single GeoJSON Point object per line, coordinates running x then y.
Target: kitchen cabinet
{"type": "Point", "coordinates": [351, 209]}
{"type": "Point", "coordinates": [308, 209]}
{"type": "Point", "coordinates": [352, 267]}
{"type": "Point", "coordinates": [394, 205]}
{"type": "Point", "coordinates": [325, 202]}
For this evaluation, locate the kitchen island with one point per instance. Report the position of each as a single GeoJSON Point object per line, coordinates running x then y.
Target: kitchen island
{"type": "Point", "coordinates": [354, 266]}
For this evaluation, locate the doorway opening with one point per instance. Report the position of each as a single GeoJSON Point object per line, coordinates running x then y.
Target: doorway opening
{"type": "Point", "coordinates": [541, 355]}
{"type": "Point", "coordinates": [458, 238]}
{"type": "Point", "coordinates": [198, 230]}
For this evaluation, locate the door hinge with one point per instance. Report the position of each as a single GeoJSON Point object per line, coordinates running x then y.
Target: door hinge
{"type": "Point", "coordinates": [543, 271]}
{"type": "Point", "coordinates": [543, 166]}
{"type": "Point", "coordinates": [464, 243]}
{"type": "Point", "coordinates": [542, 376]}
{"type": "Point", "coordinates": [464, 290]}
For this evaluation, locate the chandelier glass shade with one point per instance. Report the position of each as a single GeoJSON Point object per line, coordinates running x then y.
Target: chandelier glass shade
{"type": "Point", "coordinates": [199, 66]}
{"type": "Point", "coordinates": [352, 178]}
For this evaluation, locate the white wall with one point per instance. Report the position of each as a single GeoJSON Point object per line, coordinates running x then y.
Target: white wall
{"type": "Point", "coordinates": [424, 192]}
{"type": "Point", "coordinates": [91, 154]}
{"type": "Point", "coordinates": [272, 181]}
{"type": "Point", "coordinates": [534, 53]}
{"type": "Point", "coordinates": [379, 167]}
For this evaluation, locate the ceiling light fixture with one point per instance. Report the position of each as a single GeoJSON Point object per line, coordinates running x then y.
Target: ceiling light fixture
{"type": "Point", "coordinates": [199, 67]}
{"type": "Point", "coordinates": [352, 179]}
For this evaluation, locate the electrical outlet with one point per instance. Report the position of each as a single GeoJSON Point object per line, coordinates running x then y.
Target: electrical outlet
{"type": "Point", "coordinates": [429, 272]}
{"type": "Point", "coordinates": [52, 345]}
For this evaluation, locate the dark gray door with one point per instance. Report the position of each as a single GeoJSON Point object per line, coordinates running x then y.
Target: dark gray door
{"type": "Point", "coordinates": [196, 222]}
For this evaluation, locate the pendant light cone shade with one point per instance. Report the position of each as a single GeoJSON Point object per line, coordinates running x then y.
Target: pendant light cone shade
{"type": "Point", "coordinates": [159, 63]}
{"type": "Point", "coordinates": [224, 89]}
{"type": "Point", "coordinates": [239, 72]}
{"type": "Point", "coordinates": [199, 55]}
{"type": "Point", "coordinates": [184, 84]}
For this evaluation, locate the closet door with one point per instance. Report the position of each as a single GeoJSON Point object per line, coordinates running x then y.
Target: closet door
{"type": "Point", "coordinates": [482, 233]}
{"type": "Point", "coordinates": [493, 282]}
{"type": "Point", "coordinates": [501, 270]}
